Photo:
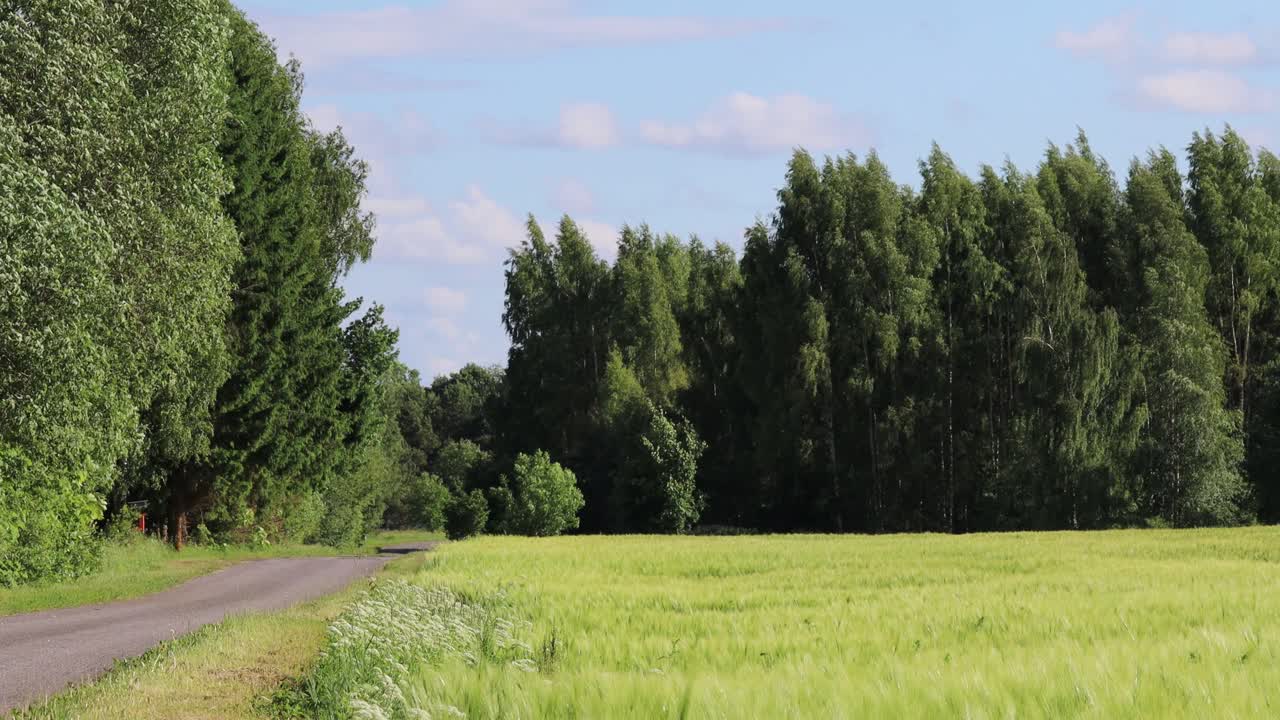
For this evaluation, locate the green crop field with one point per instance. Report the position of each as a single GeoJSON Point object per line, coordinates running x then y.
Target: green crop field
{"type": "Point", "coordinates": [1106, 624]}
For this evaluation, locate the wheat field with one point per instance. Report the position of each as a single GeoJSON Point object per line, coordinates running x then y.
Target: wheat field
{"type": "Point", "coordinates": [1155, 623]}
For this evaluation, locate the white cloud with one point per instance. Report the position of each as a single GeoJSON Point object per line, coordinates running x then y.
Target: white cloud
{"type": "Point", "coordinates": [745, 122]}
{"type": "Point", "coordinates": [1203, 91]}
{"type": "Point", "coordinates": [1235, 48]}
{"type": "Point", "coordinates": [581, 125]}
{"type": "Point", "coordinates": [587, 125]}
{"type": "Point", "coordinates": [1111, 39]}
{"type": "Point", "coordinates": [480, 218]}
{"type": "Point", "coordinates": [445, 300]}
{"type": "Point", "coordinates": [445, 328]}
{"type": "Point", "coordinates": [603, 236]}
{"type": "Point", "coordinates": [484, 28]}
{"type": "Point", "coordinates": [573, 197]}
{"type": "Point", "coordinates": [474, 229]}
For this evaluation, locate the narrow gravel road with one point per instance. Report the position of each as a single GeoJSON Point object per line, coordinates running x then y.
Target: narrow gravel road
{"type": "Point", "coordinates": [42, 653]}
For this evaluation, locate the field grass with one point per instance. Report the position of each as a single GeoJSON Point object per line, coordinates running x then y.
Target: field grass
{"type": "Point", "coordinates": [148, 565]}
{"type": "Point", "coordinates": [1125, 624]}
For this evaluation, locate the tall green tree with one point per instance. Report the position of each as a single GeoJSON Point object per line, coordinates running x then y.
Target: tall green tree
{"type": "Point", "coordinates": [557, 313]}
{"type": "Point", "coordinates": [114, 251]}
{"type": "Point", "coordinates": [289, 417]}
{"type": "Point", "coordinates": [1190, 458]}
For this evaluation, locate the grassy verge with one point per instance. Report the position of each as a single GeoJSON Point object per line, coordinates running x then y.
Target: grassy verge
{"type": "Point", "coordinates": [147, 566]}
{"type": "Point", "coordinates": [226, 671]}
{"type": "Point", "coordinates": [1127, 624]}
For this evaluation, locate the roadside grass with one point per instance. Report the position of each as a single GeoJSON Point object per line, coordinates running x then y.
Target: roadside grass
{"type": "Point", "coordinates": [384, 538]}
{"type": "Point", "coordinates": [1118, 624]}
{"type": "Point", "coordinates": [226, 671]}
{"type": "Point", "coordinates": [147, 565]}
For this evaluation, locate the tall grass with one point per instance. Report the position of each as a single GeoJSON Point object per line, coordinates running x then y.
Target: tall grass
{"type": "Point", "coordinates": [1103, 625]}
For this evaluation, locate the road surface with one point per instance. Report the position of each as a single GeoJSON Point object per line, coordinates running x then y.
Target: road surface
{"type": "Point", "coordinates": [42, 653]}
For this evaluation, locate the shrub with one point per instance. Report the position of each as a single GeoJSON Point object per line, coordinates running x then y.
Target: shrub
{"type": "Point", "coordinates": [46, 522]}
{"type": "Point", "coordinates": [302, 522]}
{"type": "Point", "coordinates": [661, 486]}
{"type": "Point", "coordinates": [122, 528]}
{"type": "Point", "coordinates": [501, 501]}
{"type": "Point", "coordinates": [466, 515]}
{"type": "Point", "coordinates": [427, 501]}
{"type": "Point", "coordinates": [457, 463]}
{"type": "Point", "coordinates": [546, 496]}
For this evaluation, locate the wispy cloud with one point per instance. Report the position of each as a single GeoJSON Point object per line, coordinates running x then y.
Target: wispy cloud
{"type": "Point", "coordinates": [573, 197]}
{"type": "Point", "coordinates": [1111, 39]}
{"type": "Point", "coordinates": [1235, 48]}
{"type": "Point", "coordinates": [1187, 71]}
{"type": "Point", "coordinates": [473, 229]}
{"type": "Point", "coordinates": [485, 28]}
{"type": "Point", "coordinates": [1203, 91]}
{"type": "Point", "coordinates": [582, 126]}
{"type": "Point", "coordinates": [743, 122]}
{"type": "Point", "coordinates": [445, 300]}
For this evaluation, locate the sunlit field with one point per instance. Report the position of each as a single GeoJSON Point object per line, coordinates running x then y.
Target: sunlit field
{"type": "Point", "coordinates": [1108, 624]}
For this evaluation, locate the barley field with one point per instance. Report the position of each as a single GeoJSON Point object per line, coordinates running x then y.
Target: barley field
{"type": "Point", "coordinates": [1123, 624]}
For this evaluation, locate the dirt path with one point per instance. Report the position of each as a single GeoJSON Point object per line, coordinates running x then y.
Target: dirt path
{"type": "Point", "coordinates": [42, 653]}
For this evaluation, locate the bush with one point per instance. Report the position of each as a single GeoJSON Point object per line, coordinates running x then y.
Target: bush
{"type": "Point", "coordinates": [458, 462]}
{"type": "Point", "coordinates": [122, 528]}
{"type": "Point", "coordinates": [501, 501]}
{"type": "Point", "coordinates": [428, 498]}
{"type": "Point", "coordinates": [46, 522]}
{"type": "Point", "coordinates": [546, 496]}
{"type": "Point", "coordinates": [466, 515]}
{"type": "Point", "coordinates": [302, 522]}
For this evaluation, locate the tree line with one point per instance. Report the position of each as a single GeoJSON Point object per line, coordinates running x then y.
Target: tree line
{"type": "Point", "coordinates": [173, 233]}
{"type": "Point", "coordinates": [1041, 350]}
{"type": "Point", "coordinates": [1053, 349]}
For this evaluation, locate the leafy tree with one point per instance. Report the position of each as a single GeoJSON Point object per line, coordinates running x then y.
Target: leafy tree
{"type": "Point", "coordinates": [428, 498]}
{"type": "Point", "coordinates": [466, 515]}
{"type": "Point", "coordinates": [545, 497]}
{"type": "Point", "coordinates": [298, 408]}
{"type": "Point", "coordinates": [114, 253]}
{"type": "Point", "coordinates": [647, 302]}
{"type": "Point", "coordinates": [1239, 226]}
{"type": "Point", "coordinates": [1191, 451]}
{"type": "Point", "coordinates": [458, 462]}
{"type": "Point", "coordinates": [715, 402]}
{"type": "Point", "coordinates": [663, 480]}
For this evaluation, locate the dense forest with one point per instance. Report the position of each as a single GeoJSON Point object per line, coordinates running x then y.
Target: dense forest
{"type": "Point", "coordinates": [1053, 349]}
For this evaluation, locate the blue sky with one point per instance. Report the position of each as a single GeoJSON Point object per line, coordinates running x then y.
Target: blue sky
{"type": "Point", "coordinates": [474, 113]}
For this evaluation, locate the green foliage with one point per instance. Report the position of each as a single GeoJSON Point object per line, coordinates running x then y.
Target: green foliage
{"type": "Point", "coordinates": [545, 497]}
{"type": "Point", "coordinates": [122, 526]}
{"type": "Point", "coordinates": [1192, 451]}
{"type": "Point", "coordinates": [466, 515]}
{"type": "Point", "coordinates": [303, 520]}
{"type": "Point", "coordinates": [428, 498]}
{"type": "Point", "coordinates": [46, 522]}
{"type": "Point", "coordinates": [457, 463]}
{"type": "Point", "coordinates": [114, 251]}
{"type": "Point", "coordinates": [664, 480]}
